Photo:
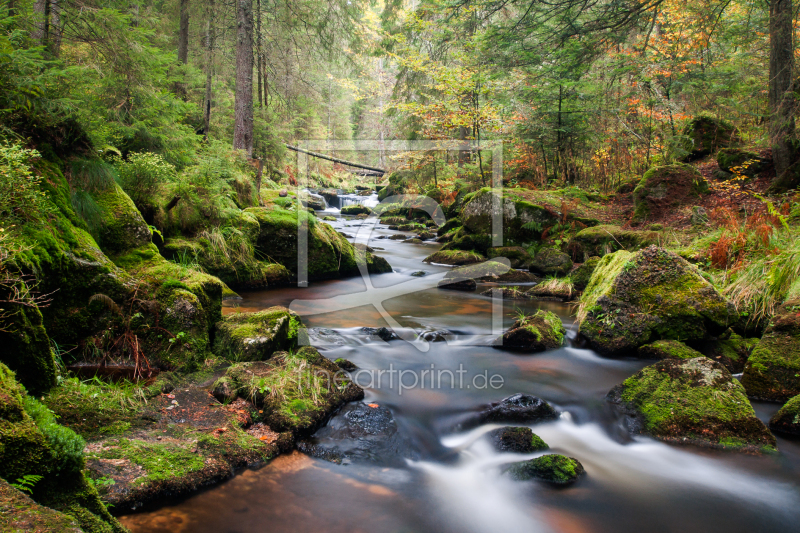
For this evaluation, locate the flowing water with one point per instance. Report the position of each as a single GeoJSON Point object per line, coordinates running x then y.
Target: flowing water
{"type": "Point", "coordinates": [432, 477]}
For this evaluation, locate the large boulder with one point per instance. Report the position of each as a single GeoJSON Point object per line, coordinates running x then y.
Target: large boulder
{"type": "Point", "coordinates": [772, 371]}
{"type": "Point", "coordinates": [256, 336]}
{"type": "Point", "coordinates": [552, 468]}
{"type": "Point", "coordinates": [730, 349]}
{"type": "Point", "coordinates": [737, 161]}
{"type": "Point", "coordinates": [787, 419]}
{"type": "Point", "coordinates": [708, 134]}
{"type": "Point", "coordinates": [583, 274]}
{"type": "Point", "coordinates": [26, 350]}
{"type": "Point", "coordinates": [122, 226]}
{"type": "Point", "coordinates": [664, 189]}
{"type": "Point", "coordinates": [517, 256]}
{"type": "Point", "coordinates": [519, 408]}
{"type": "Point", "coordinates": [605, 239]}
{"type": "Point", "coordinates": [551, 262]}
{"type": "Point", "coordinates": [538, 332]}
{"type": "Point", "coordinates": [691, 401]}
{"type": "Point", "coordinates": [330, 254]}
{"type": "Point", "coordinates": [356, 209]}
{"type": "Point", "coordinates": [636, 299]}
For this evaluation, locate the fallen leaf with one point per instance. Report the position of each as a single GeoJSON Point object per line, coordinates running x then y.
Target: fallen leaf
{"type": "Point", "coordinates": [373, 405]}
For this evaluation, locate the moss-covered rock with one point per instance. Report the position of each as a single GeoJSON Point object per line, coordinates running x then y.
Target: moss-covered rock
{"type": "Point", "coordinates": [583, 274]}
{"type": "Point", "coordinates": [454, 257]}
{"type": "Point", "coordinates": [256, 336]}
{"type": "Point", "coordinates": [691, 401]}
{"type": "Point", "coordinates": [636, 299]}
{"type": "Point", "coordinates": [122, 226]}
{"type": "Point", "coordinates": [26, 350]}
{"type": "Point", "coordinates": [18, 512]}
{"type": "Point", "coordinates": [744, 162]}
{"type": "Point", "coordinates": [517, 255]}
{"type": "Point", "coordinates": [605, 239]}
{"type": "Point", "coordinates": [667, 349]}
{"type": "Point", "coordinates": [517, 440]}
{"type": "Point", "coordinates": [787, 419]}
{"type": "Point", "coordinates": [708, 134]}
{"type": "Point", "coordinates": [552, 468]}
{"type": "Point", "coordinates": [773, 370]}
{"type": "Point", "coordinates": [330, 254]}
{"type": "Point", "coordinates": [730, 349]}
{"type": "Point", "coordinates": [538, 332]}
{"type": "Point", "coordinates": [34, 444]}
{"type": "Point", "coordinates": [551, 262]}
{"type": "Point", "coordinates": [469, 242]}
{"type": "Point", "coordinates": [663, 189]}
{"type": "Point", "coordinates": [356, 209]}
{"type": "Point", "coordinates": [450, 225]}
{"type": "Point", "coordinates": [296, 392]}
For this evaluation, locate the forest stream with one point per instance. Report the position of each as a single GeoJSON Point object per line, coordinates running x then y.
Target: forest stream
{"type": "Point", "coordinates": [414, 470]}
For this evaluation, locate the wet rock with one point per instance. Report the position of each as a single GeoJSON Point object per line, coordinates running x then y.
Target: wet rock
{"type": "Point", "coordinates": [355, 209]}
{"type": "Point", "coordinates": [519, 408]}
{"type": "Point", "coordinates": [383, 333]}
{"type": "Point", "coordinates": [419, 273]}
{"type": "Point", "coordinates": [458, 284]}
{"type": "Point", "coordinates": [787, 419]}
{"type": "Point", "coordinates": [551, 262]}
{"type": "Point", "coordinates": [325, 336]}
{"type": "Point", "coordinates": [329, 218]}
{"type": "Point", "coordinates": [517, 276]}
{"type": "Point", "coordinates": [556, 289]}
{"type": "Point", "coordinates": [21, 513]}
{"type": "Point", "coordinates": [664, 189]}
{"type": "Point", "coordinates": [426, 235]}
{"type": "Point", "coordinates": [552, 468]}
{"type": "Point", "coordinates": [454, 258]}
{"type": "Point", "coordinates": [517, 440]}
{"type": "Point", "coordinates": [255, 336]}
{"type": "Point", "coordinates": [534, 333]}
{"type": "Point", "coordinates": [314, 201]}
{"type": "Point", "coordinates": [398, 237]}
{"type": "Point", "coordinates": [413, 241]}
{"type": "Point", "coordinates": [772, 371]}
{"type": "Point", "coordinates": [691, 401]}
{"type": "Point", "coordinates": [344, 364]}
{"type": "Point", "coordinates": [331, 196]}
{"type": "Point", "coordinates": [462, 276]}
{"type": "Point", "coordinates": [439, 335]}
{"type": "Point", "coordinates": [636, 299]}
{"type": "Point", "coordinates": [507, 293]}
{"type": "Point", "coordinates": [448, 226]}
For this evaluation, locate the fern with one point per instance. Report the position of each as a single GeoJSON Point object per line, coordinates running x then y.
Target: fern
{"type": "Point", "coordinates": [110, 304]}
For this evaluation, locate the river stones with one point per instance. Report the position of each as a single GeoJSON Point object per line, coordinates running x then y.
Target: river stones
{"type": "Point", "coordinates": [691, 401]}
{"type": "Point", "coordinates": [329, 218]}
{"type": "Point", "coordinates": [255, 336]}
{"type": "Point", "coordinates": [355, 209]}
{"type": "Point", "coordinates": [382, 333]}
{"type": "Point", "coordinates": [516, 440]}
{"type": "Point", "coordinates": [551, 262]}
{"type": "Point", "coordinates": [787, 419]}
{"type": "Point", "coordinates": [507, 293]}
{"type": "Point", "coordinates": [636, 299]}
{"type": "Point", "coordinates": [519, 408]}
{"type": "Point", "coordinates": [454, 257]}
{"type": "Point", "coordinates": [439, 335]}
{"type": "Point", "coordinates": [552, 468]}
{"type": "Point", "coordinates": [458, 284]}
{"type": "Point", "coordinates": [533, 333]}
{"type": "Point", "coordinates": [772, 371]}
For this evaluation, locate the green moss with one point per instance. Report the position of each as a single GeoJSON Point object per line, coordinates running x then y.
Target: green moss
{"type": "Point", "coordinates": [693, 401]}
{"type": "Point", "coordinates": [355, 209]}
{"type": "Point", "coordinates": [787, 419]}
{"type": "Point", "coordinates": [17, 509]}
{"type": "Point", "coordinates": [583, 274]}
{"type": "Point", "coordinates": [122, 226]}
{"type": "Point", "coordinates": [454, 257]}
{"type": "Point", "coordinates": [255, 336]}
{"type": "Point", "coordinates": [605, 239]}
{"type": "Point", "coordinates": [553, 468]}
{"type": "Point", "coordinates": [773, 370]}
{"type": "Point", "coordinates": [26, 349]}
{"type": "Point", "coordinates": [160, 461]}
{"type": "Point", "coordinates": [667, 349]}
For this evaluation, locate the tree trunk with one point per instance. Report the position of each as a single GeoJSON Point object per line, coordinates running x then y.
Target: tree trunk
{"type": "Point", "coordinates": [243, 105]}
{"type": "Point", "coordinates": [183, 34]}
{"type": "Point", "coordinates": [781, 99]}
{"type": "Point", "coordinates": [209, 68]}
{"type": "Point", "coordinates": [55, 28]}
{"type": "Point", "coordinates": [258, 52]}
{"type": "Point", "coordinates": [41, 21]}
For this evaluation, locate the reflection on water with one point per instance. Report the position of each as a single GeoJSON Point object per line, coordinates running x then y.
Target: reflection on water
{"type": "Point", "coordinates": [456, 482]}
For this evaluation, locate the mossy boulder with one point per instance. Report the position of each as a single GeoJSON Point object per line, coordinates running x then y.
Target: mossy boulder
{"type": "Point", "coordinates": [747, 163]}
{"type": "Point", "coordinates": [450, 225]}
{"type": "Point", "coordinates": [330, 255]}
{"type": "Point", "coordinates": [708, 134]}
{"type": "Point", "coordinates": [551, 468]}
{"type": "Point", "coordinates": [691, 401]}
{"type": "Point", "coordinates": [122, 226]}
{"type": "Point", "coordinates": [18, 512]}
{"type": "Point", "coordinates": [636, 299]}
{"type": "Point", "coordinates": [551, 262]}
{"type": "Point", "coordinates": [518, 408]}
{"type": "Point", "coordinates": [356, 209]}
{"type": "Point", "coordinates": [772, 371]}
{"type": "Point", "coordinates": [730, 349]}
{"type": "Point", "coordinates": [583, 274]}
{"type": "Point", "coordinates": [667, 349]}
{"type": "Point", "coordinates": [605, 239]}
{"type": "Point", "coordinates": [34, 444]}
{"type": "Point", "coordinates": [517, 255]}
{"type": "Point", "coordinates": [664, 189]}
{"type": "Point", "coordinates": [256, 336]}
{"type": "Point", "coordinates": [469, 242]}
{"type": "Point", "coordinates": [787, 419]}
{"type": "Point", "coordinates": [480, 208]}
{"type": "Point", "coordinates": [296, 392]}
{"type": "Point", "coordinates": [538, 332]}
{"type": "Point", "coordinates": [454, 257]}
{"type": "Point", "coordinates": [26, 350]}
{"type": "Point", "coordinates": [517, 440]}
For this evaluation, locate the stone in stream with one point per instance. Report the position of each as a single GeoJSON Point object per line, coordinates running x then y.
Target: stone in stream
{"type": "Point", "coordinates": [355, 209]}
{"type": "Point", "coordinates": [506, 293]}
{"type": "Point", "coordinates": [439, 335]}
{"type": "Point", "coordinates": [255, 336]}
{"type": "Point", "coordinates": [519, 408]}
{"type": "Point", "coordinates": [383, 333]}
{"type": "Point", "coordinates": [418, 273]}
{"type": "Point", "coordinates": [463, 278]}
{"type": "Point", "coordinates": [517, 255]}
{"type": "Point", "coordinates": [552, 468]}
{"type": "Point", "coordinates": [636, 299]}
{"type": "Point", "coordinates": [329, 218]}
{"type": "Point", "coordinates": [787, 419]}
{"type": "Point", "coordinates": [534, 333]}
{"type": "Point", "coordinates": [551, 261]}
{"type": "Point", "coordinates": [691, 401]}
{"type": "Point", "coordinates": [517, 440]}
{"type": "Point", "coordinates": [344, 364]}
{"type": "Point", "coordinates": [454, 258]}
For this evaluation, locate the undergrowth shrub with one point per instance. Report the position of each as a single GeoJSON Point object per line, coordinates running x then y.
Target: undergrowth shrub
{"type": "Point", "coordinates": [21, 198]}
{"type": "Point", "coordinates": [143, 174]}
